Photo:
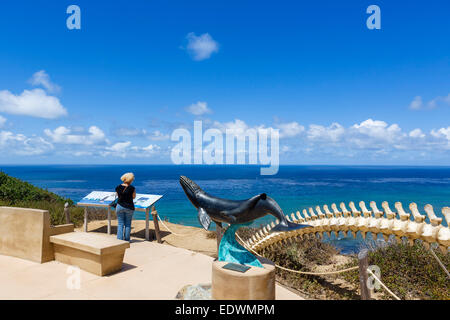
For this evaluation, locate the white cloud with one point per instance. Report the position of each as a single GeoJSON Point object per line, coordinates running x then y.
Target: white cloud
{"type": "Point", "coordinates": [291, 129]}
{"type": "Point", "coordinates": [135, 132]}
{"type": "Point", "coordinates": [201, 47]}
{"type": "Point", "coordinates": [34, 103]}
{"type": "Point", "coordinates": [119, 147]}
{"type": "Point", "coordinates": [130, 132]}
{"type": "Point", "coordinates": [149, 150]}
{"type": "Point", "coordinates": [199, 108]}
{"type": "Point", "coordinates": [242, 130]}
{"type": "Point", "coordinates": [158, 136]}
{"type": "Point", "coordinates": [378, 130]}
{"type": "Point", "coordinates": [2, 121]}
{"type": "Point", "coordinates": [418, 104]}
{"type": "Point", "coordinates": [126, 149]}
{"type": "Point", "coordinates": [235, 127]}
{"type": "Point", "coordinates": [441, 133]}
{"type": "Point", "coordinates": [371, 138]}
{"type": "Point", "coordinates": [70, 136]}
{"type": "Point", "coordinates": [438, 100]}
{"type": "Point", "coordinates": [82, 153]}
{"type": "Point", "coordinates": [332, 133]}
{"type": "Point", "coordinates": [22, 145]}
{"type": "Point", "coordinates": [41, 78]}
{"type": "Point", "coordinates": [416, 133]}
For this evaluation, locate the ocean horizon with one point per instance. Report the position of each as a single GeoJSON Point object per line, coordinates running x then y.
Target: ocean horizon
{"type": "Point", "coordinates": [294, 187]}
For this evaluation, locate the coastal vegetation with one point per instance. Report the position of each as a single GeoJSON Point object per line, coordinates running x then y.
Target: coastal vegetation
{"type": "Point", "coordinates": [17, 193]}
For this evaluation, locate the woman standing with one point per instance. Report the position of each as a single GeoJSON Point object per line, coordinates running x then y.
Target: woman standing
{"type": "Point", "coordinates": [125, 206]}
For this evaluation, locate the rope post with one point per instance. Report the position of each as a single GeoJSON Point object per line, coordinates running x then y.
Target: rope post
{"type": "Point", "coordinates": [147, 232]}
{"type": "Point", "coordinates": [85, 219]}
{"type": "Point", "coordinates": [109, 220]}
{"type": "Point", "coordinates": [363, 265]}
{"type": "Point", "coordinates": [67, 212]}
{"type": "Point", "coordinates": [219, 234]}
{"type": "Point", "coordinates": [156, 224]}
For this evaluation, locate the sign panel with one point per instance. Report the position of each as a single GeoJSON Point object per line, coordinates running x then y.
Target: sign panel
{"type": "Point", "coordinates": [104, 198]}
{"type": "Point", "coordinates": [236, 267]}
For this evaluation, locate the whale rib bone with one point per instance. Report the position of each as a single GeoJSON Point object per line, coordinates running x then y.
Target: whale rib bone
{"type": "Point", "coordinates": [345, 212]}
{"type": "Point", "coordinates": [328, 213]}
{"type": "Point", "coordinates": [305, 213]}
{"type": "Point", "coordinates": [300, 218]}
{"type": "Point", "coordinates": [312, 214]}
{"type": "Point", "coordinates": [355, 212]}
{"type": "Point", "coordinates": [319, 212]}
{"type": "Point", "coordinates": [418, 217]}
{"type": "Point", "coordinates": [444, 232]}
{"type": "Point", "coordinates": [375, 210]}
{"type": "Point", "coordinates": [387, 210]}
{"type": "Point", "coordinates": [366, 213]}
{"type": "Point", "coordinates": [336, 211]}
{"type": "Point", "coordinates": [435, 221]}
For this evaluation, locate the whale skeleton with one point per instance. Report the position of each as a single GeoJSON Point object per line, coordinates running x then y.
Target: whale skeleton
{"type": "Point", "coordinates": [399, 224]}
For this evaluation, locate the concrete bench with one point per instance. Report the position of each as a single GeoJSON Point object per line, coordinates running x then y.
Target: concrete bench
{"type": "Point", "coordinates": [96, 253]}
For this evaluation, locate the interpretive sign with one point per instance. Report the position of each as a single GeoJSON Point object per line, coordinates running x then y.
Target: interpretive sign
{"type": "Point", "coordinates": [104, 198]}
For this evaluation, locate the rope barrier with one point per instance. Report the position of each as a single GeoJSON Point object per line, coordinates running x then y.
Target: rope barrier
{"type": "Point", "coordinates": [317, 273]}
{"type": "Point", "coordinates": [296, 271]}
{"type": "Point", "coordinates": [440, 262]}
{"type": "Point", "coordinates": [176, 234]}
{"type": "Point", "coordinates": [382, 284]}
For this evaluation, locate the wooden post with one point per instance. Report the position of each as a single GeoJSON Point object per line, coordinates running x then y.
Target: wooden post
{"type": "Point", "coordinates": [147, 231]}
{"type": "Point", "coordinates": [85, 219]}
{"type": "Point", "coordinates": [67, 212]}
{"type": "Point", "coordinates": [109, 220]}
{"type": "Point", "coordinates": [363, 265]}
{"type": "Point", "coordinates": [156, 224]}
{"type": "Point", "coordinates": [219, 234]}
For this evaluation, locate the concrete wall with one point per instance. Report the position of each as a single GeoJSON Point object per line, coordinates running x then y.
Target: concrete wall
{"type": "Point", "coordinates": [25, 233]}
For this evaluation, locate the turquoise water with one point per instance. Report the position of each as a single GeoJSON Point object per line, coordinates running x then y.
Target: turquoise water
{"type": "Point", "coordinates": [294, 187]}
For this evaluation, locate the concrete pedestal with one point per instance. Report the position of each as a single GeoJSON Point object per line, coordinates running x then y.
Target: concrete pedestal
{"type": "Point", "coordinates": [255, 284]}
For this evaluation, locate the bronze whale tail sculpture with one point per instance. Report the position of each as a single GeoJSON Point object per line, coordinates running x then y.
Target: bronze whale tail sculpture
{"type": "Point", "coordinates": [234, 211]}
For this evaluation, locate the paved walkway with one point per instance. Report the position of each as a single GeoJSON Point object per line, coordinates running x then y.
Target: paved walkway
{"type": "Point", "coordinates": [151, 271]}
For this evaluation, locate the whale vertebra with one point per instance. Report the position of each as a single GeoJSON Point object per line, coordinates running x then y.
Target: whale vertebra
{"type": "Point", "coordinates": [234, 211]}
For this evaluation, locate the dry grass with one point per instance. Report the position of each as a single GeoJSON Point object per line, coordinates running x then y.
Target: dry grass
{"type": "Point", "coordinates": [211, 235]}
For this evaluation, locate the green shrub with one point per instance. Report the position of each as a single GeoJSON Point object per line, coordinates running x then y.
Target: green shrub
{"type": "Point", "coordinates": [13, 189]}
{"type": "Point", "coordinates": [17, 193]}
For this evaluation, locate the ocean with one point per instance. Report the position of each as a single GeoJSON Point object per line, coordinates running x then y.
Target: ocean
{"type": "Point", "coordinates": [294, 187]}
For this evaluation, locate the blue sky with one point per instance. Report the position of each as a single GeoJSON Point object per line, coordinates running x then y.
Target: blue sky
{"type": "Point", "coordinates": [114, 91]}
